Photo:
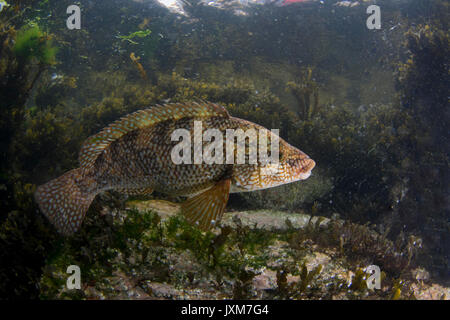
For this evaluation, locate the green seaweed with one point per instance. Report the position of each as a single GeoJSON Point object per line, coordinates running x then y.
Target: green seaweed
{"type": "Point", "coordinates": [306, 94]}
{"type": "Point", "coordinates": [136, 34]}
{"type": "Point", "coordinates": [32, 42]}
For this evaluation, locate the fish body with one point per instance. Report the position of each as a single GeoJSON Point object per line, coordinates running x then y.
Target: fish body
{"type": "Point", "coordinates": [135, 155]}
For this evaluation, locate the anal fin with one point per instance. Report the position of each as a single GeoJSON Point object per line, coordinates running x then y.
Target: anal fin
{"type": "Point", "coordinates": [207, 208]}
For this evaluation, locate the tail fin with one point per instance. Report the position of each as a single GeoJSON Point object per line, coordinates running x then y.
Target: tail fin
{"type": "Point", "coordinates": [65, 200]}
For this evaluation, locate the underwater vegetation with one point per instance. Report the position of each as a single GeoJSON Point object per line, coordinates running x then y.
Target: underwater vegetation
{"type": "Point", "coordinates": [136, 34]}
{"type": "Point", "coordinates": [25, 54]}
{"type": "Point", "coordinates": [31, 43]}
{"type": "Point", "coordinates": [307, 95]}
{"type": "Point", "coordinates": [382, 173]}
{"type": "Point", "coordinates": [140, 255]}
{"type": "Point", "coordinates": [139, 66]}
{"type": "Point", "coordinates": [423, 82]}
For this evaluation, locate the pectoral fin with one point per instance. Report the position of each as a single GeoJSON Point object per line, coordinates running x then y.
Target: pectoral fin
{"type": "Point", "coordinates": [206, 209]}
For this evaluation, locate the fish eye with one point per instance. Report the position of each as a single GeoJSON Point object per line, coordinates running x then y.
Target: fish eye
{"type": "Point", "coordinates": [292, 162]}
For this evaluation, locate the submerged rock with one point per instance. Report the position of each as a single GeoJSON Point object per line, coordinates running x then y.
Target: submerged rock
{"type": "Point", "coordinates": [149, 252]}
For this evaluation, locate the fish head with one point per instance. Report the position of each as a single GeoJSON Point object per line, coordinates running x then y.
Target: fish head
{"type": "Point", "coordinates": [294, 164]}
{"type": "Point", "coordinates": [291, 165]}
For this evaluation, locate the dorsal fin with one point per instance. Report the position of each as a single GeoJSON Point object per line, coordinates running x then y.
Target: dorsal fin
{"type": "Point", "coordinates": [94, 145]}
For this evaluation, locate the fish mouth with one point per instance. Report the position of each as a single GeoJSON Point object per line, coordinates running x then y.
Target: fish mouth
{"type": "Point", "coordinates": [304, 175]}
{"type": "Point", "coordinates": [308, 166]}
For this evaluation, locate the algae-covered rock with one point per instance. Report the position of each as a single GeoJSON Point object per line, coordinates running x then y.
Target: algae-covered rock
{"type": "Point", "coordinates": [149, 252]}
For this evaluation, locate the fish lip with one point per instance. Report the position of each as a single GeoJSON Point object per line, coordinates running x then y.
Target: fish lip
{"type": "Point", "coordinates": [305, 175]}
{"type": "Point", "coordinates": [311, 164]}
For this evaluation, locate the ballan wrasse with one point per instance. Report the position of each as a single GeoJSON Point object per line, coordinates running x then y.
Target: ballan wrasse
{"type": "Point", "coordinates": [133, 155]}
